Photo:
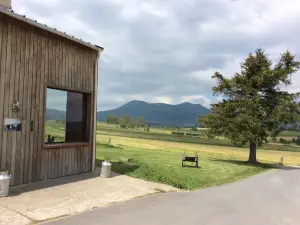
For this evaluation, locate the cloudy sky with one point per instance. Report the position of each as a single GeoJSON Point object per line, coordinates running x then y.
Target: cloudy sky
{"type": "Point", "coordinates": [167, 50]}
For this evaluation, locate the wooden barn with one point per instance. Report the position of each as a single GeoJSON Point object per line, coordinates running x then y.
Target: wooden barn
{"type": "Point", "coordinates": [48, 100]}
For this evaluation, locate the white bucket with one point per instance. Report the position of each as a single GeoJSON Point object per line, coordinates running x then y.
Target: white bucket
{"type": "Point", "coordinates": [4, 184]}
{"type": "Point", "coordinates": [105, 169]}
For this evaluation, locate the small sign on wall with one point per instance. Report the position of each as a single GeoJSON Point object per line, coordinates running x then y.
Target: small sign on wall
{"type": "Point", "coordinates": [12, 124]}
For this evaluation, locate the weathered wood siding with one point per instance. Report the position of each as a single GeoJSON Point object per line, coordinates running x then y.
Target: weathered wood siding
{"type": "Point", "coordinates": [30, 60]}
{"type": "Point", "coordinates": [64, 162]}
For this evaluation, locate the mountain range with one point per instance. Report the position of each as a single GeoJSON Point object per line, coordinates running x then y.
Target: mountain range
{"type": "Point", "coordinates": [184, 114]}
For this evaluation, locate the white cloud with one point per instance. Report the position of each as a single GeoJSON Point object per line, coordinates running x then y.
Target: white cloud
{"type": "Point", "coordinates": [197, 99]}
{"type": "Point", "coordinates": [167, 51]}
{"type": "Point", "coordinates": [162, 99]}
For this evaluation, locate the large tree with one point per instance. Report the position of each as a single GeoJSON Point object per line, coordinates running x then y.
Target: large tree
{"type": "Point", "coordinates": [140, 122]}
{"type": "Point", "coordinates": [254, 103]}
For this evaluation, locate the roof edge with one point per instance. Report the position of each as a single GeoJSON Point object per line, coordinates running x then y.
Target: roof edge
{"type": "Point", "coordinates": [34, 23]}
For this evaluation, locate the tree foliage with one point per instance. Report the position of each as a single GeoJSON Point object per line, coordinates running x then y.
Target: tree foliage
{"type": "Point", "coordinates": [126, 121]}
{"type": "Point", "coordinates": [255, 103]}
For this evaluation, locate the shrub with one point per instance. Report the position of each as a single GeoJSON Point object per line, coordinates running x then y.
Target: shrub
{"type": "Point", "coordinates": [297, 141]}
{"type": "Point", "coordinates": [283, 141]}
{"type": "Point", "coordinates": [194, 129]}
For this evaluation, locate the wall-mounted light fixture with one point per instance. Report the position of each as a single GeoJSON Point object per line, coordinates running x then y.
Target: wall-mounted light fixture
{"type": "Point", "coordinates": [15, 106]}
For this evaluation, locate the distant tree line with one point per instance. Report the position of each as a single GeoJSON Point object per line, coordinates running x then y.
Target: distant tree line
{"type": "Point", "coordinates": [127, 122]}
{"type": "Point", "coordinates": [284, 141]}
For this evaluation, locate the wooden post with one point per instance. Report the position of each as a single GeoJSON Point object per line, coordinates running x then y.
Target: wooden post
{"type": "Point", "coordinates": [95, 110]}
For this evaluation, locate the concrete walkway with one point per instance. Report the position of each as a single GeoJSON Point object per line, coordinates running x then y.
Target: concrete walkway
{"type": "Point", "coordinates": [56, 198]}
{"type": "Point", "coordinates": [271, 198]}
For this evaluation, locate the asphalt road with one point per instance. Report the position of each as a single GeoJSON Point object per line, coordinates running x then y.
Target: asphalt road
{"type": "Point", "coordinates": [271, 198]}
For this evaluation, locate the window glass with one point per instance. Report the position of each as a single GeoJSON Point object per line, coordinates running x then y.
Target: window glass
{"type": "Point", "coordinates": [65, 117]}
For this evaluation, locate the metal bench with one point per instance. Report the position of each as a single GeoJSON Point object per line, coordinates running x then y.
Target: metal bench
{"type": "Point", "coordinates": [193, 159]}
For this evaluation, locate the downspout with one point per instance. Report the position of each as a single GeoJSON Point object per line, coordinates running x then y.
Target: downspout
{"type": "Point", "coordinates": [95, 108]}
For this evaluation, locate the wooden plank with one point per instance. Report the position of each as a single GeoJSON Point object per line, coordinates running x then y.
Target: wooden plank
{"type": "Point", "coordinates": [23, 100]}
{"type": "Point", "coordinates": [78, 160]}
{"type": "Point", "coordinates": [88, 162]}
{"type": "Point", "coordinates": [88, 73]}
{"type": "Point", "coordinates": [59, 61]}
{"type": "Point", "coordinates": [58, 163]}
{"type": "Point", "coordinates": [92, 107]}
{"type": "Point", "coordinates": [69, 161]}
{"type": "Point", "coordinates": [63, 62]}
{"type": "Point", "coordinates": [13, 157]}
{"type": "Point", "coordinates": [69, 64]}
{"type": "Point", "coordinates": [8, 97]}
{"type": "Point", "coordinates": [12, 136]}
{"type": "Point", "coordinates": [53, 61]}
{"type": "Point", "coordinates": [82, 69]}
{"type": "Point", "coordinates": [51, 75]}
{"type": "Point", "coordinates": [49, 171]}
{"type": "Point", "coordinates": [64, 163]}
{"type": "Point", "coordinates": [16, 157]}
{"type": "Point", "coordinates": [54, 162]}
{"type": "Point", "coordinates": [44, 164]}
{"type": "Point", "coordinates": [87, 69]}
{"type": "Point", "coordinates": [55, 56]}
{"type": "Point", "coordinates": [84, 160]}
{"type": "Point", "coordinates": [36, 96]}
{"type": "Point", "coordinates": [49, 164]}
{"type": "Point", "coordinates": [76, 69]}
{"type": "Point", "coordinates": [27, 99]}
{"type": "Point", "coordinates": [41, 177]}
{"type": "Point", "coordinates": [87, 159]}
{"type": "Point", "coordinates": [70, 152]}
{"type": "Point", "coordinates": [62, 71]}
{"type": "Point", "coordinates": [41, 105]}
{"type": "Point", "coordinates": [3, 89]}
{"type": "Point", "coordinates": [33, 108]}
{"type": "Point", "coordinates": [90, 158]}
{"type": "Point", "coordinates": [74, 161]}
{"type": "Point", "coordinates": [2, 76]}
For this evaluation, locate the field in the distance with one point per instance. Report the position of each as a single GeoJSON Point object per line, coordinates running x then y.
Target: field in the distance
{"type": "Point", "coordinates": [157, 156]}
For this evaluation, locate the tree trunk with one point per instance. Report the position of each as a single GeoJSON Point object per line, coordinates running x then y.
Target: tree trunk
{"type": "Point", "coordinates": [252, 153]}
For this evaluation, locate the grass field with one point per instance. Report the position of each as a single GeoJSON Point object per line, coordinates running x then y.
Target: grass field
{"type": "Point", "coordinates": [157, 156]}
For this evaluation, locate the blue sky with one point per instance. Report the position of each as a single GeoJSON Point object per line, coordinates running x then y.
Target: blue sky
{"type": "Point", "coordinates": [167, 51]}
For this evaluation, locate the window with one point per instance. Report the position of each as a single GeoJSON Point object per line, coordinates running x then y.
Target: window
{"type": "Point", "coordinates": [66, 117]}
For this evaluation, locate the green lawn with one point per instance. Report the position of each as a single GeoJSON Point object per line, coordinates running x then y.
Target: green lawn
{"type": "Point", "coordinates": [165, 167]}
{"type": "Point", "coordinates": [157, 156]}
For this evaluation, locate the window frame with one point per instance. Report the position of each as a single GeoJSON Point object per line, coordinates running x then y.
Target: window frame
{"type": "Point", "coordinates": [88, 120]}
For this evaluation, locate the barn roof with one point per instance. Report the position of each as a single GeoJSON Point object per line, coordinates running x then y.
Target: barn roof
{"type": "Point", "coordinates": [23, 18]}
